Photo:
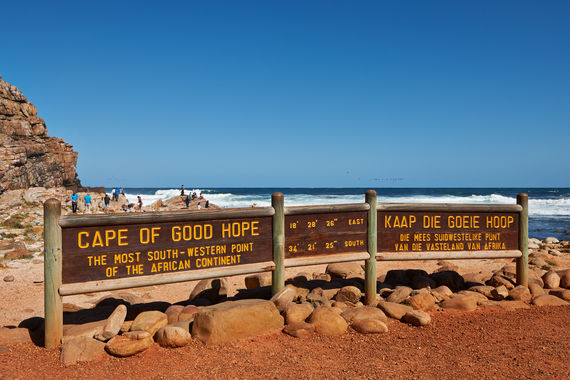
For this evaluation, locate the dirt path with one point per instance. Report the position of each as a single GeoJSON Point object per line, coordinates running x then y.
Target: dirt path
{"type": "Point", "coordinates": [480, 345]}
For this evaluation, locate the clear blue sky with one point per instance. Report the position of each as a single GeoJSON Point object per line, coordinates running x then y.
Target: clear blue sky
{"type": "Point", "coordinates": [300, 93]}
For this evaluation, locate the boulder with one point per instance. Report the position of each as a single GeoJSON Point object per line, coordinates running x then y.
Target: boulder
{"type": "Point", "coordinates": [14, 335]}
{"type": "Point", "coordinates": [296, 312]}
{"type": "Point", "coordinates": [564, 278]}
{"type": "Point", "coordinates": [337, 310]}
{"type": "Point", "coordinates": [9, 278]}
{"type": "Point", "coordinates": [483, 289]}
{"type": "Point", "coordinates": [341, 305]}
{"type": "Point", "coordinates": [417, 318]}
{"type": "Point", "coordinates": [520, 293]}
{"type": "Point", "coordinates": [328, 322]}
{"type": "Point", "coordinates": [460, 302]}
{"type": "Point", "coordinates": [369, 326]}
{"type": "Point", "coordinates": [234, 320]}
{"type": "Point", "coordinates": [214, 290]}
{"type": "Point", "coordinates": [348, 294]}
{"type": "Point", "coordinates": [317, 297]}
{"type": "Point", "coordinates": [345, 270]}
{"type": "Point", "coordinates": [498, 280]}
{"type": "Point", "coordinates": [258, 280]}
{"type": "Point", "coordinates": [400, 294]}
{"type": "Point", "coordinates": [551, 240]}
{"type": "Point", "coordinates": [474, 278]}
{"type": "Point", "coordinates": [149, 321]}
{"type": "Point", "coordinates": [116, 299]}
{"type": "Point", "coordinates": [129, 344]}
{"type": "Point", "coordinates": [538, 262]}
{"type": "Point", "coordinates": [509, 271]}
{"type": "Point", "coordinates": [80, 349]}
{"type": "Point", "coordinates": [330, 292]}
{"type": "Point", "coordinates": [299, 329]}
{"type": "Point", "coordinates": [284, 297]}
{"type": "Point", "coordinates": [548, 300]}
{"type": "Point", "coordinates": [394, 310]}
{"type": "Point", "coordinates": [441, 293]}
{"type": "Point", "coordinates": [363, 312]}
{"type": "Point", "coordinates": [89, 329]}
{"type": "Point", "coordinates": [499, 293]}
{"type": "Point", "coordinates": [299, 279]}
{"type": "Point", "coordinates": [172, 337]}
{"type": "Point", "coordinates": [535, 289]}
{"type": "Point", "coordinates": [188, 313]}
{"type": "Point", "coordinates": [422, 301]}
{"type": "Point", "coordinates": [534, 277]}
{"type": "Point", "coordinates": [173, 313]}
{"type": "Point", "coordinates": [551, 280]}
{"type": "Point", "coordinates": [420, 291]}
{"type": "Point", "coordinates": [186, 325]}
{"type": "Point", "coordinates": [561, 293]}
{"type": "Point", "coordinates": [113, 325]}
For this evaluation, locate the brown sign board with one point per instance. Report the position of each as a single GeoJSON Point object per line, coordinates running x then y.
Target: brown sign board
{"type": "Point", "coordinates": [118, 251]}
{"type": "Point", "coordinates": [411, 231]}
{"type": "Point", "coordinates": [322, 234]}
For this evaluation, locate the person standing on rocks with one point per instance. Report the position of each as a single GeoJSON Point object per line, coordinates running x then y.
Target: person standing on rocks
{"type": "Point", "coordinates": [87, 199]}
{"type": "Point", "coordinates": [187, 200]}
{"type": "Point", "coordinates": [107, 199]}
{"type": "Point", "coordinates": [74, 198]}
{"type": "Point", "coordinates": [139, 201]}
{"type": "Point", "coordinates": [113, 193]}
{"type": "Point", "coordinates": [182, 190]}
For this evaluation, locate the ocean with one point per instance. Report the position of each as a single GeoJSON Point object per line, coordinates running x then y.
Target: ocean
{"type": "Point", "coordinates": [549, 208]}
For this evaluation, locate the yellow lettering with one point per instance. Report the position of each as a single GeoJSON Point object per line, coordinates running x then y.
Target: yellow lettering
{"type": "Point", "coordinates": [80, 244]}
{"type": "Point", "coordinates": [109, 235]}
{"type": "Point", "coordinates": [97, 239]}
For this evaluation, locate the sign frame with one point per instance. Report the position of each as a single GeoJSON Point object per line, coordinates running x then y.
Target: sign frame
{"type": "Point", "coordinates": [54, 290]}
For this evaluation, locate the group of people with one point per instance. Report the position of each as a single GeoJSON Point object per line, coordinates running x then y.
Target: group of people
{"type": "Point", "coordinates": [116, 192]}
{"type": "Point", "coordinates": [187, 198]}
{"type": "Point", "coordinates": [87, 199]}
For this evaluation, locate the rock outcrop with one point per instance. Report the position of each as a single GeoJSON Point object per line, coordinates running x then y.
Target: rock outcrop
{"type": "Point", "coordinates": [28, 156]}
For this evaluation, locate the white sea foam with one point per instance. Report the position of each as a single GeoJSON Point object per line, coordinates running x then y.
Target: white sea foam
{"type": "Point", "coordinates": [537, 207]}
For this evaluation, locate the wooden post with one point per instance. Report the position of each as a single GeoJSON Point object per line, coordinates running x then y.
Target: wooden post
{"type": "Point", "coordinates": [53, 307]}
{"type": "Point", "coordinates": [372, 236]}
{"type": "Point", "coordinates": [278, 274]}
{"type": "Point", "coordinates": [522, 262]}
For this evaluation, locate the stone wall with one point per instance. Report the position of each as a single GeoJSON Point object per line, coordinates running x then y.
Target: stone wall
{"type": "Point", "coordinates": [28, 156]}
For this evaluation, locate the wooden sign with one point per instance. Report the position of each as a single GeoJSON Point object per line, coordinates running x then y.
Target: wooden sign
{"type": "Point", "coordinates": [410, 231]}
{"type": "Point", "coordinates": [321, 234]}
{"type": "Point", "coordinates": [118, 251]}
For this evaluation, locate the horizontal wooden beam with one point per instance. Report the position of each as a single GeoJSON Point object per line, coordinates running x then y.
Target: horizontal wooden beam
{"type": "Point", "coordinates": [163, 278]}
{"type": "Point", "coordinates": [323, 209]}
{"type": "Point", "coordinates": [158, 217]}
{"type": "Point", "coordinates": [326, 259]}
{"type": "Point", "coordinates": [451, 207]}
{"type": "Point", "coordinates": [448, 255]}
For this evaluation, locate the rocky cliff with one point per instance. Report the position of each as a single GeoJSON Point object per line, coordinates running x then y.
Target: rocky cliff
{"type": "Point", "coordinates": [28, 156]}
